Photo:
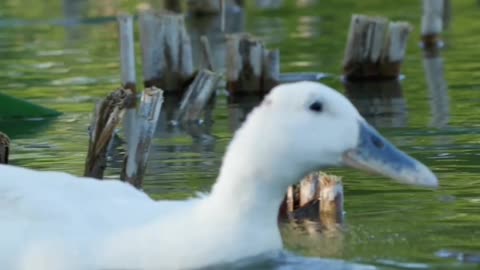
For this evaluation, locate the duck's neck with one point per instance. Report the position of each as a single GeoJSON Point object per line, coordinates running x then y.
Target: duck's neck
{"type": "Point", "coordinates": [252, 182]}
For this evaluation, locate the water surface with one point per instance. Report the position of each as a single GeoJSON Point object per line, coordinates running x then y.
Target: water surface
{"type": "Point", "coordinates": [64, 55]}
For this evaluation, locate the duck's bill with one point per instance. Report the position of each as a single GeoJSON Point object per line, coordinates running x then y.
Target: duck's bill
{"type": "Point", "coordinates": [376, 154]}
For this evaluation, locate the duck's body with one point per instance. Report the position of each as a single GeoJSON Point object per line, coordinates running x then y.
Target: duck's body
{"type": "Point", "coordinates": [57, 221]}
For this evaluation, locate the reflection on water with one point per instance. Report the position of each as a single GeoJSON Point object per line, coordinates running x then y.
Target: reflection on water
{"type": "Point", "coordinates": [386, 224]}
{"type": "Point", "coordinates": [380, 103]}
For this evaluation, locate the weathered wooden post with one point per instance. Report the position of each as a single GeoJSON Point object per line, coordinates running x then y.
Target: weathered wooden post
{"type": "Point", "coordinates": [317, 196]}
{"type": "Point", "coordinates": [207, 60]}
{"type": "Point", "coordinates": [166, 50]}
{"type": "Point", "coordinates": [4, 148]}
{"type": "Point", "coordinates": [433, 22]}
{"type": "Point", "coordinates": [128, 71]}
{"type": "Point", "coordinates": [251, 68]}
{"type": "Point", "coordinates": [108, 113]}
{"type": "Point", "coordinates": [197, 96]}
{"type": "Point", "coordinates": [375, 48]}
{"type": "Point", "coordinates": [436, 17]}
{"type": "Point", "coordinates": [148, 114]}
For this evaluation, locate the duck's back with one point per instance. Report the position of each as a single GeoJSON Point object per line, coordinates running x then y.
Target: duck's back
{"type": "Point", "coordinates": [58, 211]}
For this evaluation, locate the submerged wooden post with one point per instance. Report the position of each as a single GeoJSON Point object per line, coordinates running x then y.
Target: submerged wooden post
{"type": "Point", "coordinates": [197, 96]}
{"type": "Point", "coordinates": [108, 113]}
{"type": "Point", "coordinates": [166, 50]}
{"type": "Point", "coordinates": [128, 71]}
{"type": "Point", "coordinates": [251, 68]}
{"type": "Point", "coordinates": [375, 48]}
{"type": "Point", "coordinates": [148, 114]}
{"type": "Point", "coordinates": [4, 148]}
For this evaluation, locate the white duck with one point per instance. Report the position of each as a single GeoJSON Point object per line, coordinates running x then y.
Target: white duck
{"type": "Point", "coordinates": [51, 220]}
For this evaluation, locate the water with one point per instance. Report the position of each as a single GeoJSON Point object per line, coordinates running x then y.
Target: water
{"type": "Point", "coordinates": [64, 55]}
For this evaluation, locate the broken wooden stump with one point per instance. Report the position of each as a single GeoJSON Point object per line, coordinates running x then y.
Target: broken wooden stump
{"type": "Point", "coordinates": [147, 119]}
{"type": "Point", "coordinates": [197, 96]}
{"type": "Point", "coordinates": [318, 196]}
{"type": "Point", "coordinates": [108, 113]}
{"type": "Point", "coordinates": [375, 48]}
{"type": "Point", "coordinates": [436, 17]}
{"type": "Point", "coordinates": [251, 68]}
{"type": "Point", "coordinates": [166, 50]}
{"type": "Point", "coordinates": [4, 148]}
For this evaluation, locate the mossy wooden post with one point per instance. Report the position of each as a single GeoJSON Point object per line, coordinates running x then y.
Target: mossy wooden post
{"type": "Point", "coordinates": [148, 114]}
{"type": "Point", "coordinates": [4, 148]}
{"type": "Point", "coordinates": [128, 71]}
{"type": "Point", "coordinates": [108, 113]}
{"type": "Point", "coordinates": [166, 50]}
{"type": "Point", "coordinates": [251, 68]}
{"type": "Point", "coordinates": [197, 96]}
{"type": "Point", "coordinates": [375, 48]}
{"type": "Point", "coordinates": [173, 5]}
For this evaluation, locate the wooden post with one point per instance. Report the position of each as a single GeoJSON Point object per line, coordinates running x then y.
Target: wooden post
{"type": "Point", "coordinates": [148, 114]}
{"type": "Point", "coordinates": [434, 14]}
{"type": "Point", "coordinates": [128, 71]}
{"type": "Point", "coordinates": [271, 69]}
{"type": "Point", "coordinates": [167, 51]}
{"type": "Point", "coordinates": [317, 196]}
{"type": "Point", "coordinates": [173, 5]}
{"type": "Point", "coordinates": [251, 68]}
{"type": "Point", "coordinates": [308, 189]}
{"type": "Point", "coordinates": [375, 48]}
{"type": "Point", "coordinates": [205, 7]}
{"type": "Point", "coordinates": [197, 96]}
{"type": "Point", "coordinates": [108, 114]}
{"type": "Point", "coordinates": [207, 60]}
{"type": "Point", "coordinates": [4, 148]}
{"type": "Point", "coordinates": [433, 22]}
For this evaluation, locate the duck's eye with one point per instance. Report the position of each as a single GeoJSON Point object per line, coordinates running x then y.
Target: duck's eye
{"type": "Point", "coordinates": [317, 107]}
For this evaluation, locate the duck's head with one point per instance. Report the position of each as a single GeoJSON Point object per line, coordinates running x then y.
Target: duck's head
{"type": "Point", "coordinates": [313, 126]}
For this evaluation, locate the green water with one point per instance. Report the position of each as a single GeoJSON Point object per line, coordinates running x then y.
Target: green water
{"type": "Point", "coordinates": [64, 55]}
